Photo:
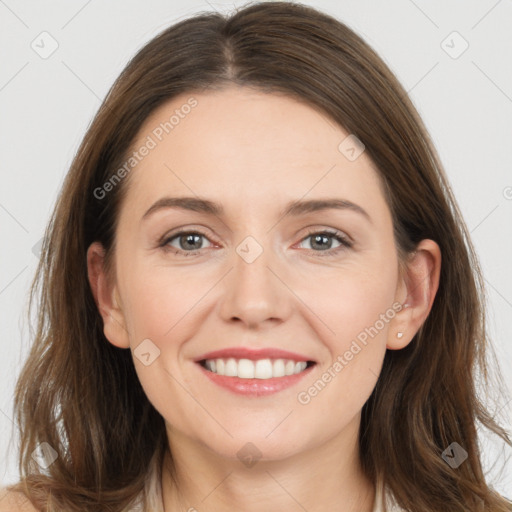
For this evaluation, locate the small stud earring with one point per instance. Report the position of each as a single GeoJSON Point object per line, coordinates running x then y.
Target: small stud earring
{"type": "Point", "coordinates": [399, 334]}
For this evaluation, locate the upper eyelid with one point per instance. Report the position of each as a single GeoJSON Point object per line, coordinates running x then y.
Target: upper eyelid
{"type": "Point", "coordinates": [173, 234]}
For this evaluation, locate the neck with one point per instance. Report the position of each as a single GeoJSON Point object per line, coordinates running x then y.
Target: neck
{"type": "Point", "coordinates": [327, 477]}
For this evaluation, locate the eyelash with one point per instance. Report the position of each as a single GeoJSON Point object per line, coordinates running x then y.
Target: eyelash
{"type": "Point", "coordinates": [344, 241]}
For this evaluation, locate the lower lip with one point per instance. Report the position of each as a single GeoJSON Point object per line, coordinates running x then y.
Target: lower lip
{"type": "Point", "coordinates": [255, 387]}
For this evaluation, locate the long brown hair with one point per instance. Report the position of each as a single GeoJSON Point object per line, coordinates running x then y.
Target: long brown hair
{"type": "Point", "coordinates": [81, 395]}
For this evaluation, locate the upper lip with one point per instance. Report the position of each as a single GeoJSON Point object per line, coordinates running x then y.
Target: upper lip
{"type": "Point", "coordinates": [253, 354]}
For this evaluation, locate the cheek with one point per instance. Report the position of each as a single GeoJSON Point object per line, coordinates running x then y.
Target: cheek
{"type": "Point", "coordinates": [350, 301]}
{"type": "Point", "coordinates": [154, 301]}
{"type": "Point", "coordinates": [156, 309]}
{"type": "Point", "coordinates": [359, 317]}
{"type": "Point", "coordinates": [356, 312]}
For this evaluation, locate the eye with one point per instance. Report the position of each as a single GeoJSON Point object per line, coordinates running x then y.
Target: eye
{"type": "Point", "coordinates": [185, 240]}
{"type": "Point", "coordinates": [322, 240]}
{"type": "Point", "coordinates": [190, 243]}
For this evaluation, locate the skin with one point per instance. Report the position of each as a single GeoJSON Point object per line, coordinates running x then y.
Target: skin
{"type": "Point", "coordinates": [254, 152]}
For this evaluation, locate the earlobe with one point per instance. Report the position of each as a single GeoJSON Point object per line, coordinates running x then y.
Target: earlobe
{"type": "Point", "coordinates": [421, 281]}
{"type": "Point", "coordinates": [400, 334]}
{"type": "Point", "coordinates": [105, 296]}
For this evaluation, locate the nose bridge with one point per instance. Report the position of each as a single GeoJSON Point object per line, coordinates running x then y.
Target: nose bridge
{"type": "Point", "coordinates": [253, 291]}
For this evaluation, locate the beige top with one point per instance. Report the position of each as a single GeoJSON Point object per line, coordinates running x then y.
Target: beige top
{"type": "Point", "coordinates": [154, 501]}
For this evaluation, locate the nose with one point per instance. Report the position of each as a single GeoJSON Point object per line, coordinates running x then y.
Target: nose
{"type": "Point", "coordinates": [255, 292]}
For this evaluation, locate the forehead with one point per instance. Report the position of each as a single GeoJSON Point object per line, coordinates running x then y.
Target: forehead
{"type": "Point", "coordinates": [243, 143]}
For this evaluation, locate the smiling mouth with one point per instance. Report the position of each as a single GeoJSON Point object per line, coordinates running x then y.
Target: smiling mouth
{"type": "Point", "coordinates": [255, 369]}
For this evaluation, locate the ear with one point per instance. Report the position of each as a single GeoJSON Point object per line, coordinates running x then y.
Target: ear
{"type": "Point", "coordinates": [419, 284]}
{"type": "Point", "coordinates": [106, 297]}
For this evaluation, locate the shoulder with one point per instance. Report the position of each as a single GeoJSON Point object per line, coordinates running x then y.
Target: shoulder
{"type": "Point", "coordinates": [11, 501]}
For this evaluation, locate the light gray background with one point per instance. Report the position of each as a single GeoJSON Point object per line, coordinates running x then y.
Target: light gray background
{"type": "Point", "coordinates": [47, 104]}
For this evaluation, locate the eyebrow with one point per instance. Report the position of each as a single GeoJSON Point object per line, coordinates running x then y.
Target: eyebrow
{"type": "Point", "coordinates": [293, 208]}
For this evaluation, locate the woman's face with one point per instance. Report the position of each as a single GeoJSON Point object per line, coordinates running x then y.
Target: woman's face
{"type": "Point", "coordinates": [261, 276]}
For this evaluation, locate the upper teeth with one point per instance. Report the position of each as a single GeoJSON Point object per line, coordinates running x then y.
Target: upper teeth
{"type": "Point", "coordinates": [260, 369]}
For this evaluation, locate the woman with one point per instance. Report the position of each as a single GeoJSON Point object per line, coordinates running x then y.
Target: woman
{"type": "Point", "coordinates": [263, 373]}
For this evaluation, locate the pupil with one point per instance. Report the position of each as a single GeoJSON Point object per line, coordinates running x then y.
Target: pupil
{"type": "Point", "coordinates": [191, 237]}
{"type": "Point", "coordinates": [321, 237]}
